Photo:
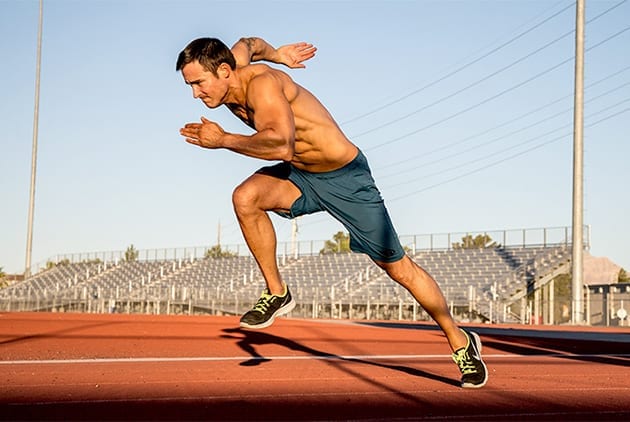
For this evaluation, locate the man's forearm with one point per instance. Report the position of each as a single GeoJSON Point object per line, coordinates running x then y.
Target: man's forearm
{"type": "Point", "coordinates": [264, 145]}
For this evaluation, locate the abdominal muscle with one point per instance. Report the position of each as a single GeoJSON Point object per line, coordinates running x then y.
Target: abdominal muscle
{"type": "Point", "coordinates": [320, 145]}
{"type": "Point", "coordinates": [312, 158]}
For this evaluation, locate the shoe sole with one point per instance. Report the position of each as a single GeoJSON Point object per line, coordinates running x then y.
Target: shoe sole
{"type": "Point", "coordinates": [281, 311]}
{"type": "Point", "coordinates": [478, 346]}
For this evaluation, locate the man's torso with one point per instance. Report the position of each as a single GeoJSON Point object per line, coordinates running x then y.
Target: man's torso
{"type": "Point", "coordinates": [320, 145]}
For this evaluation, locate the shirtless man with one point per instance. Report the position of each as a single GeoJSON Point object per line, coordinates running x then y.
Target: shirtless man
{"type": "Point", "coordinates": [320, 169]}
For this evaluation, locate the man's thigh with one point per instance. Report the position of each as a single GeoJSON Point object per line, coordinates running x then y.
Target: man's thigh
{"type": "Point", "coordinates": [271, 193]}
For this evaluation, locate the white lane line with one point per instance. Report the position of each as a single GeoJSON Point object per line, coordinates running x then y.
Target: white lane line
{"type": "Point", "coordinates": [323, 357]}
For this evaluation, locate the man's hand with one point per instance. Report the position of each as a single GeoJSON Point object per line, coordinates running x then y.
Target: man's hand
{"type": "Point", "coordinates": [292, 55]}
{"type": "Point", "coordinates": [206, 134]}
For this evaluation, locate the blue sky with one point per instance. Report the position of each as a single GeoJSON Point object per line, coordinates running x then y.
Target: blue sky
{"type": "Point", "coordinates": [462, 107]}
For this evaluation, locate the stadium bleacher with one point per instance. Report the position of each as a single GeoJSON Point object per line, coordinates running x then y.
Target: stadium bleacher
{"type": "Point", "coordinates": [324, 285]}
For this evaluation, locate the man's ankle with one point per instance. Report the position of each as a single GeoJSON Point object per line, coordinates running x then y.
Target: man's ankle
{"type": "Point", "coordinates": [279, 292]}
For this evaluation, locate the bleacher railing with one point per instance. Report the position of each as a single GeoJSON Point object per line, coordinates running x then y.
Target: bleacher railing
{"type": "Point", "coordinates": [526, 237]}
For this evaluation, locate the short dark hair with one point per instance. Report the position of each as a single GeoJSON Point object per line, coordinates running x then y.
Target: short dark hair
{"type": "Point", "coordinates": [209, 52]}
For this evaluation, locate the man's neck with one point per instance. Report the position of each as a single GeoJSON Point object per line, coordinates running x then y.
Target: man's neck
{"type": "Point", "coordinates": [237, 90]}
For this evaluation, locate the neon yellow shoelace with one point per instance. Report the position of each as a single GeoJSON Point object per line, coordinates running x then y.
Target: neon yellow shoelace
{"type": "Point", "coordinates": [465, 363]}
{"type": "Point", "coordinates": [263, 303]}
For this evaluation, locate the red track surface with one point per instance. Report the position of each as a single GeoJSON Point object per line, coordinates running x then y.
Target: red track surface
{"type": "Point", "coordinates": [121, 367]}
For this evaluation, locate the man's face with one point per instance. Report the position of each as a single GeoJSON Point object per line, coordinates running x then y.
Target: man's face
{"type": "Point", "coordinates": [205, 85]}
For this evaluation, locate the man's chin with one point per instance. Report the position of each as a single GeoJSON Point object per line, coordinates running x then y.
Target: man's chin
{"type": "Point", "coordinates": [210, 104]}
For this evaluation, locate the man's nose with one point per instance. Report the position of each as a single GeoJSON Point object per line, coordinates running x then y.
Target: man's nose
{"type": "Point", "coordinates": [196, 92]}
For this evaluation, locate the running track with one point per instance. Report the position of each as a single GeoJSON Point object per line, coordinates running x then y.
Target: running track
{"type": "Point", "coordinates": [139, 367]}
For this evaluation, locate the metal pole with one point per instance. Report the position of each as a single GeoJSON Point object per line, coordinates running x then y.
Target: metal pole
{"type": "Point", "coordinates": [578, 166]}
{"type": "Point", "coordinates": [219, 234]}
{"type": "Point", "coordinates": [294, 234]}
{"type": "Point", "coordinates": [31, 208]}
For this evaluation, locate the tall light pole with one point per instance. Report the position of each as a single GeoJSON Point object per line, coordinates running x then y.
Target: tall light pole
{"type": "Point", "coordinates": [31, 207]}
{"type": "Point", "coordinates": [578, 167]}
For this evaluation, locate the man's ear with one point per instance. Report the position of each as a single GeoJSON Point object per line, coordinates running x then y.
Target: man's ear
{"type": "Point", "coordinates": [223, 71]}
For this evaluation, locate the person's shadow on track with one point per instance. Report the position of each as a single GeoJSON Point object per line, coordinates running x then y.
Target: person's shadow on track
{"type": "Point", "coordinates": [250, 339]}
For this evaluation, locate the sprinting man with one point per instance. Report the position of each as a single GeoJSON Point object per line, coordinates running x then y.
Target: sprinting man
{"type": "Point", "coordinates": [320, 169]}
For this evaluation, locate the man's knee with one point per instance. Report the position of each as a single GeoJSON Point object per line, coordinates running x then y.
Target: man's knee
{"type": "Point", "coordinates": [402, 271]}
{"type": "Point", "coordinates": [245, 197]}
{"type": "Point", "coordinates": [262, 193]}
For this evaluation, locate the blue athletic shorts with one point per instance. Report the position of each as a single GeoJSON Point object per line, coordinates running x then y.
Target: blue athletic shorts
{"type": "Point", "coordinates": [350, 195]}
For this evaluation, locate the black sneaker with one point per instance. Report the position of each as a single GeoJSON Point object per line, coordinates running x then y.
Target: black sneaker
{"type": "Point", "coordinates": [474, 371]}
{"type": "Point", "coordinates": [267, 309]}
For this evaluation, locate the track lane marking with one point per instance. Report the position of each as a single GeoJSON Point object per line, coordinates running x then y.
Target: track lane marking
{"type": "Point", "coordinates": [267, 358]}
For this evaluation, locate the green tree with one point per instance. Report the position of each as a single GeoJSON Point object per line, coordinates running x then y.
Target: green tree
{"type": "Point", "coordinates": [623, 276]}
{"type": "Point", "coordinates": [53, 264]}
{"type": "Point", "coordinates": [216, 252]}
{"type": "Point", "coordinates": [478, 242]}
{"type": "Point", "coordinates": [562, 296]}
{"type": "Point", "coordinates": [3, 279]}
{"type": "Point", "coordinates": [131, 254]}
{"type": "Point", "coordinates": [340, 243]}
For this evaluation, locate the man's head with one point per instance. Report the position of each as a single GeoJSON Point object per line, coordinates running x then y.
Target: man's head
{"type": "Point", "coordinates": [207, 64]}
{"type": "Point", "coordinates": [209, 52]}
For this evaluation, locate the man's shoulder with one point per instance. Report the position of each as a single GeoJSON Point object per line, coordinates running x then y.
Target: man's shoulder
{"type": "Point", "coordinates": [263, 81]}
{"type": "Point", "coordinates": [262, 71]}
{"type": "Point", "coordinates": [264, 75]}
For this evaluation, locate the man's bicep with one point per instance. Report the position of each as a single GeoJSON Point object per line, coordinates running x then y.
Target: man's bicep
{"type": "Point", "coordinates": [272, 110]}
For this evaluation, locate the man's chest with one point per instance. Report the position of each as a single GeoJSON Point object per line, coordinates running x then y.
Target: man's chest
{"type": "Point", "coordinates": [246, 115]}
